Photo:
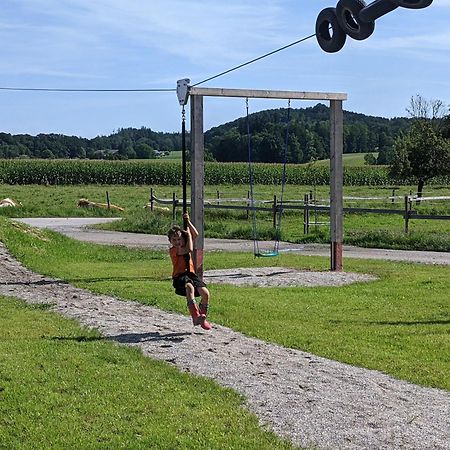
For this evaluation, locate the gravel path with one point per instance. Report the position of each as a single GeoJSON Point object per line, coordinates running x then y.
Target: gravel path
{"type": "Point", "coordinates": [310, 400]}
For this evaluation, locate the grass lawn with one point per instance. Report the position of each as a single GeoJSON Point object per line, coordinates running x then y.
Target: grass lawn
{"type": "Point", "coordinates": [348, 159]}
{"type": "Point", "coordinates": [399, 324]}
{"type": "Point", "coordinates": [62, 386]}
{"type": "Point", "coordinates": [375, 230]}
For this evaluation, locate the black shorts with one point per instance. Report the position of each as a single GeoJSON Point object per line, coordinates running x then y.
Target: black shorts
{"type": "Point", "coordinates": [179, 283]}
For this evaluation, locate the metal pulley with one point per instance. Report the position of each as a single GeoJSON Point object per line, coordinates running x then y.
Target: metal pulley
{"type": "Point", "coordinates": [183, 90]}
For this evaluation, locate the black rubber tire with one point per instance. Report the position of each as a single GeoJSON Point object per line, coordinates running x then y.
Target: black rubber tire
{"type": "Point", "coordinates": [413, 4]}
{"type": "Point", "coordinates": [347, 12]}
{"type": "Point", "coordinates": [329, 42]}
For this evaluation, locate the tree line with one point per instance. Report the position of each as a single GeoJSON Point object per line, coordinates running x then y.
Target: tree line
{"type": "Point", "coordinates": [308, 139]}
{"type": "Point", "coordinates": [126, 143]}
{"type": "Point", "coordinates": [307, 134]}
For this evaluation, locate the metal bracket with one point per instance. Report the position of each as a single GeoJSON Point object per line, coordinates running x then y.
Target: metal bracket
{"type": "Point", "coordinates": [183, 90]}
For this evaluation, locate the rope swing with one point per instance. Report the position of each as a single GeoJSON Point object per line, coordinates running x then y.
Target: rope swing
{"type": "Point", "coordinates": [183, 162]}
{"type": "Point", "coordinates": [256, 250]}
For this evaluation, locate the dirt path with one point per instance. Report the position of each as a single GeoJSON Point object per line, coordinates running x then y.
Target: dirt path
{"type": "Point", "coordinates": [310, 400]}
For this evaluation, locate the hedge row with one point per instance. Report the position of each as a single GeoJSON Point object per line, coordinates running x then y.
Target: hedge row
{"type": "Point", "coordinates": [64, 172]}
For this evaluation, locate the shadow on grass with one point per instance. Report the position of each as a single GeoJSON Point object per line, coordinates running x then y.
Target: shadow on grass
{"type": "Point", "coordinates": [48, 282]}
{"type": "Point", "coordinates": [394, 323]}
{"type": "Point", "coordinates": [100, 279]}
{"type": "Point", "coordinates": [413, 322]}
{"type": "Point", "coordinates": [77, 338]}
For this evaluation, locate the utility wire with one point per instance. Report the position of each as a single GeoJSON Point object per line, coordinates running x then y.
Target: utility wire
{"type": "Point", "coordinates": [84, 90]}
{"type": "Point", "coordinates": [255, 59]}
{"type": "Point", "coordinates": [164, 89]}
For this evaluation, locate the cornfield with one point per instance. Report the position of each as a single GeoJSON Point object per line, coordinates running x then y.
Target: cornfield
{"type": "Point", "coordinates": [151, 172]}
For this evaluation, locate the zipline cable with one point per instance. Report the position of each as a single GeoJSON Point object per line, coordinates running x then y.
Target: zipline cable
{"type": "Point", "coordinates": [84, 90]}
{"type": "Point", "coordinates": [255, 59]}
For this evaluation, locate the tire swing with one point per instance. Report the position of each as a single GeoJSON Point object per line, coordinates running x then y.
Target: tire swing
{"type": "Point", "coordinates": [356, 19]}
{"type": "Point", "coordinates": [347, 12]}
{"type": "Point", "coordinates": [330, 36]}
{"type": "Point", "coordinates": [256, 251]}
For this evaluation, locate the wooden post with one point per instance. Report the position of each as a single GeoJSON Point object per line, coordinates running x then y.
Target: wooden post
{"type": "Point", "coordinates": [275, 206]}
{"type": "Point", "coordinates": [151, 199]}
{"type": "Point", "coordinates": [197, 179]}
{"type": "Point", "coordinates": [107, 200]}
{"type": "Point", "coordinates": [407, 203]}
{"type": "Point", "coordinates": [336, 184]}
{"type": "Point", "coordinates": [306, 214]}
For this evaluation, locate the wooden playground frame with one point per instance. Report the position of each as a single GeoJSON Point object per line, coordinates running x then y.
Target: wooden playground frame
{"type": "Point", "coordinates": [196, 95]}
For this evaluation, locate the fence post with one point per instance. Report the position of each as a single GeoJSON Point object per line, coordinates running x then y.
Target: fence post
{"type": "Point", "coordinates": [248, 202]}
{"type": "Point", "coordinates": [107, 200]}
{"type": "Point", "coordinates": [393, 195]}
{"type": "Point", "coordinates": [275, 206]}
{"type": "Point", "coordinates": [151, 199]}
{"type": "Point", "coordinates": [174, 206]}
{"type": "Point", "coordinates": [306, 214]}
{"type": "Point", "coordinates": [406, 214]}
{"type": "Point", "coordinates": [218, 197]}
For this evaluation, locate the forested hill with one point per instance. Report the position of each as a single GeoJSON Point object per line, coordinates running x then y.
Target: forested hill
{"type": "Point", "coordinates": [308, 135]}
{"type": "Point", "coordinates": [308, 139]}
{"type": "Point", "coordinates": [126, 143]}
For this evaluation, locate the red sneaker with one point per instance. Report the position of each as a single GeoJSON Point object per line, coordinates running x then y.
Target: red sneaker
{"type": "Point", "coordinates": [197, 318]}
{"type": "Point", "coordinates": [204, 323]}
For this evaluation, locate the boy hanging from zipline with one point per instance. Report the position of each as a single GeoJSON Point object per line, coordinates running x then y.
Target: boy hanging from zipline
{"type": "Point", "coordinates": [185, 280]}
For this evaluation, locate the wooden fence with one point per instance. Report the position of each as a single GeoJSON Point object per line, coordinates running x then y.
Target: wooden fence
{"type": "Point", "coordinates": [309, 205]}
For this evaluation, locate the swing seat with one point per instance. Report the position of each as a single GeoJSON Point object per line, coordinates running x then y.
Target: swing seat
{"type": "Point", "coordinates": [266, 254]}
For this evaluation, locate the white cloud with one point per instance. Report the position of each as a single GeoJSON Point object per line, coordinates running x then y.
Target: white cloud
{"type": "Point", "coordinates": [101, 38]}
{"type": "Point", "coordinates": [191, 29]}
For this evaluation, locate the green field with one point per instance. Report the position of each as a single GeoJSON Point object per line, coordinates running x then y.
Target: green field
{"type": "Point", "coordinates": [56, 376]}
{"type": "Point", "coordinates": [175, 154]}
{"type": "Point", "coordinates": [405, 313]}
{"type": "Point", "coordinates": [374, 230]}
{"type": "Point", "coordinates": [348, 159]}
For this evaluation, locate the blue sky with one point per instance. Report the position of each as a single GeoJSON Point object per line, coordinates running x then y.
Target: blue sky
{"type": "Point", "coordinates": [147, 44]}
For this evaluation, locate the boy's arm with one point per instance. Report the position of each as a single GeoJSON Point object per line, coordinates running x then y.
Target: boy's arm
{"type": "Point", "coordinates": [191, 227]}
{"type": "Point", "coordinates": [189, 241]}
{"type": "Point", "coordinates": [193, 230]}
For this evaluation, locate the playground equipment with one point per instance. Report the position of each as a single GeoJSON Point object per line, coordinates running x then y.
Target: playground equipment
{"type": "Point", "coordinates": [356, 19]}
{"type": "Point", "coordinates": [185, 92]}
